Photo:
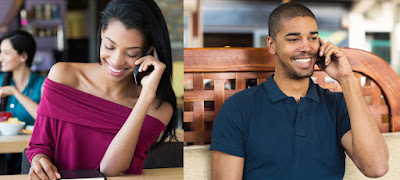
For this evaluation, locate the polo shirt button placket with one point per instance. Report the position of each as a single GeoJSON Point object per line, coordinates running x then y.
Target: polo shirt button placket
{"type": "Point", "coordinates": [300, 126]}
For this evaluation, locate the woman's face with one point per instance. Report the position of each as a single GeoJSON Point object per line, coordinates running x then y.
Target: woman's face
{"type": "Point", "coordinates": [119, 50]}
{"type": "Point", "coordinates": [9, 57]}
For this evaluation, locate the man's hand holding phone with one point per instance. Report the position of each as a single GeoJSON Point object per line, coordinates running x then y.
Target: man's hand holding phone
{"type": "Point", "coordinates": [337, 65]}
{"type": "Point", "coordinates": [150, 81]}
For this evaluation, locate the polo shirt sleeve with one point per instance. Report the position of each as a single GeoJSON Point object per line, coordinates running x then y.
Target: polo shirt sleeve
{"type": "Point", "coordinates": [227, 134]}
{"type": "Point", "coordinates": [343, 117]}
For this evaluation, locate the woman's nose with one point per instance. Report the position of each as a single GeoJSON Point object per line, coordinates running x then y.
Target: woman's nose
{"type": "Point", "coordinates": [118, 58]}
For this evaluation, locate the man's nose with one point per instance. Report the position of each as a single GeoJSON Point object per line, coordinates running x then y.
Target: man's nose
{"type": "Point", "coordinates": [306, 46]}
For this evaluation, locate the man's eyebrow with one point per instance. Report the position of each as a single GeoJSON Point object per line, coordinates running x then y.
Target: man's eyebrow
{"type": "Point", "coordinates": [293, 34]}
{"type": "Point", "coordinates": [126, 48]}
{"type": "Point", "coordinates": [313, 32]}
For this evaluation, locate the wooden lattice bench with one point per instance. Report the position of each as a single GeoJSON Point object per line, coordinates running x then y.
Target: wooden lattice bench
{"type": "Point", "coordinates": [212, 75]}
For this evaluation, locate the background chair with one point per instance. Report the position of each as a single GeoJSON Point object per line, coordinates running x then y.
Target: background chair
{"type": "Point", "coordinates": [212, 75]}
{"type": "Point", "coordinates": [168, 154]}
{"type": "Point", "coordinates": [25, 164]}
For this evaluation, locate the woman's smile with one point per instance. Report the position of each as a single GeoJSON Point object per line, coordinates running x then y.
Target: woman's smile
{"type": "Point", "coordinates": [115, 71]}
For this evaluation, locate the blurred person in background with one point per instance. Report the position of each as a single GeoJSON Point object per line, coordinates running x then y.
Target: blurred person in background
{"type": "Point", "coordinates": [20, 89]}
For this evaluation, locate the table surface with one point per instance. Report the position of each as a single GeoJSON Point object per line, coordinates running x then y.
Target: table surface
{"type": "Point", "coordinates": [156, 174]}
{"type": "Point", "coordinates": [14, 144]}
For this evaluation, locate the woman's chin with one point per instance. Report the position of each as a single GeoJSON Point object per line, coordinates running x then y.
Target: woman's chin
{"type": "Point", "coordinates": [5, 70]}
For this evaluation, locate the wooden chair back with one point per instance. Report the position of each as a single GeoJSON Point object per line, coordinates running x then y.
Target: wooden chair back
{"type": "Point", "coordinates": [211, 75]}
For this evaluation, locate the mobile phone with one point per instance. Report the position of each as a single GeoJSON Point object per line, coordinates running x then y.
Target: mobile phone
{"type": "Point", "coordinates": [138, 76]}
{"type": "Point", "coordinates": [320, 60]}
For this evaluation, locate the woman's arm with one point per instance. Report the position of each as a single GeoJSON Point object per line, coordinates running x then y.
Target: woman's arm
{"type": "Point", "coordinates": [118, 157]}
{"type": "Point", "coordinates": [30, 105]}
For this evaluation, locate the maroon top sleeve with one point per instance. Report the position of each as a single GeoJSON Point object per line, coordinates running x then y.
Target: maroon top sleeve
{"type": "Point", "coordinates": [42, 140]}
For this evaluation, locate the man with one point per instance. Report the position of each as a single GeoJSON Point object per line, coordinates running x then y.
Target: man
{"type": "Point", "coordinates": [290, 128]}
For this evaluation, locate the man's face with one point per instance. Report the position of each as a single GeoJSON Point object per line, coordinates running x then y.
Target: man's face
{"type": "Point", "coordinates": [296, 46]}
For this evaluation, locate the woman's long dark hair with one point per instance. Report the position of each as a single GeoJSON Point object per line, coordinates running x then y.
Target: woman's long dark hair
{"type": "Point", "coordinates": [22, 42]}
{"type": "Point", "coordinates": [147, 17]}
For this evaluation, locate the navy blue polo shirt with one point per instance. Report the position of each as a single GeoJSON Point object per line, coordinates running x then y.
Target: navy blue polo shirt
{"type": "Point", "coordinates": [280, 139]}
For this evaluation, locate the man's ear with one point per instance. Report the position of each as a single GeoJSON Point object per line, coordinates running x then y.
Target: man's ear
{"type": "Point", "coordinates": [271, 45]}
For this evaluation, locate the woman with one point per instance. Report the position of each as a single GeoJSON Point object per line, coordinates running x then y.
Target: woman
{"type": "Point", "coordinates": [21, 88]}
{"type": "Point", "coordinates": [94, 116]}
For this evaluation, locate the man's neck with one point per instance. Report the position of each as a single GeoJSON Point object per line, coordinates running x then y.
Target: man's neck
{"type": "Point", "coordinates": [292, 87]}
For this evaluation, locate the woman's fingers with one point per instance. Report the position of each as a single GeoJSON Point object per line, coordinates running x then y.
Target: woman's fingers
{"type": "Point", "coordinates": [39, 171]}
{"type": "Point", "coordinates": [150, 61]}
{"type": "Point", "coordinates": [33, 175]}
{"type": "Point", "coordinates": [48, 168]}
{"type": "Point", "coordinates": [55, 170]}
{"type": "Point", "coordinates": [43, 169]}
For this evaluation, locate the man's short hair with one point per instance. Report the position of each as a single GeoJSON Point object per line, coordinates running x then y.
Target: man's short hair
{"type": "Point", "coordinates": [286, 11]}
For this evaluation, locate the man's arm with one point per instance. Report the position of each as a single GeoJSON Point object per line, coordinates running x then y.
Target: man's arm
{"type": "Point", "coordinates": [363, 143]}
{"type": "Point", "coordinates": [226, 166]}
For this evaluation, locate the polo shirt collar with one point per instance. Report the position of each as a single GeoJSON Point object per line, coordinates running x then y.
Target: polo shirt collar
{"type": "Point", "coordinates": [275, 94]}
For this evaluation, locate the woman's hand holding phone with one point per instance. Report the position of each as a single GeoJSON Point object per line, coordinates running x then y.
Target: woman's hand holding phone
{"type": "Point", "coordinates": [337, 64]}
{"type": "Point", "coordinates": [150, 82]}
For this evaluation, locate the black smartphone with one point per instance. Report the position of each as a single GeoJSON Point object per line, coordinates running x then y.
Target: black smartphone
{"type": "Point", "coordinates": [138, 76]}
{"type": "Point", "coordinates": [320, 60]}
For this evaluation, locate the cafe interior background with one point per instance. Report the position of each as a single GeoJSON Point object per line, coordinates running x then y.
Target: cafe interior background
{"type": "Point", "coordinates": [371, 25]}
{"type": "Point", "coordinates": [66, 31]}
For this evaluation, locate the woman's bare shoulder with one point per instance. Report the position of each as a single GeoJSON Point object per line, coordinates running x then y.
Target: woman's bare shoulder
{"type": "Point", "coordinates": [68, 73]}
{"type": "Point", "coordinates": [163, 113]}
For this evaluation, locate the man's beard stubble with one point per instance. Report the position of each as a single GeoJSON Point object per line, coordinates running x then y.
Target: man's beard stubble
{"type": "Point", "coordinates": [292, 73]}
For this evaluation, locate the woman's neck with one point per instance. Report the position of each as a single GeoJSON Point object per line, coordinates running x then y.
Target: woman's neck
{"type": "Point", "coordinates": [21, 77]}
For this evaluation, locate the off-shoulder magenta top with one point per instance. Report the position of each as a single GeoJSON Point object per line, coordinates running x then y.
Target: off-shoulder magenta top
{"type": "Point", "coordinates": [74, 129]}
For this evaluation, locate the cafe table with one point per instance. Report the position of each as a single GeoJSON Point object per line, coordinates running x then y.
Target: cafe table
{"type": "Point", "coordinates": [14, 144]}
{"type": "Point", "coordinates": [148, 174]}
